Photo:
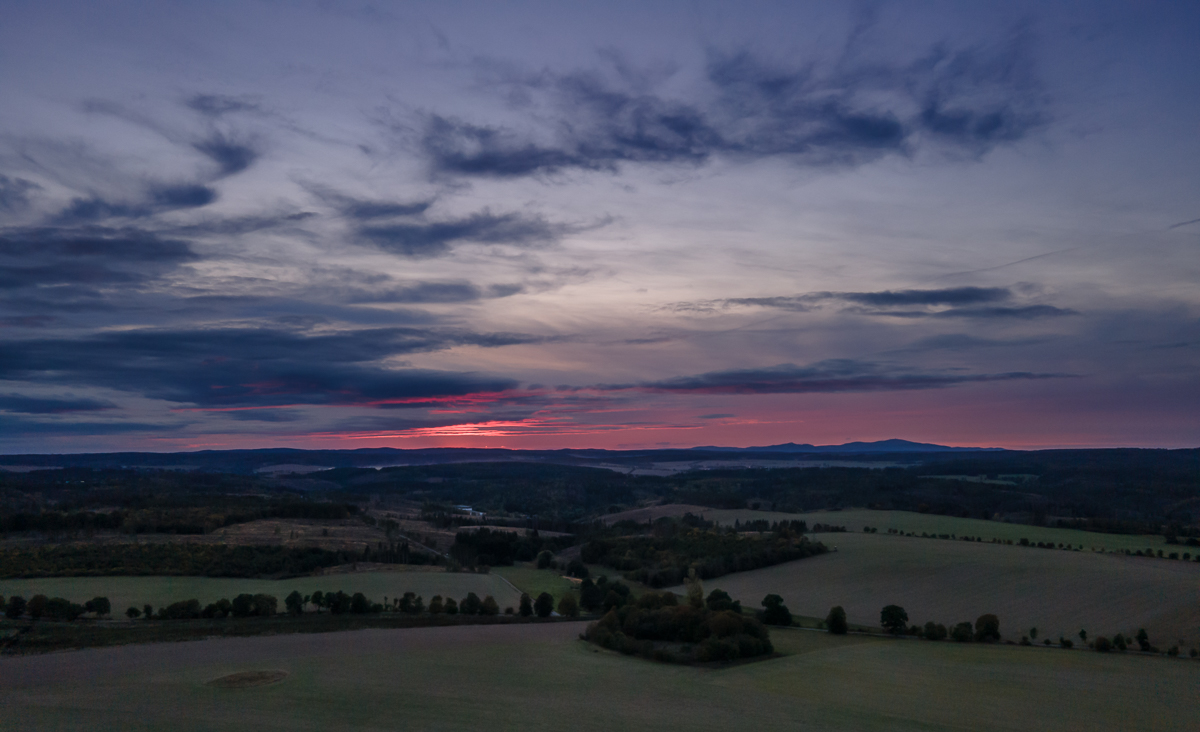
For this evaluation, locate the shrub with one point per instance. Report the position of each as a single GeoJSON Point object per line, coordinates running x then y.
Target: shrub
{"type": "Point", "coordinates": [1173, 651]}
{"type": "Point", "coordinates": [450, 607]}
{"type": "Point", "coordinates": [489, 606]}
{"type": "Point", "coordinates": [1119, 642]}
{"type": "Point", "coordinates": [962, 633]}
{"type": "Point", "coordinates": [935, 631]}
{"type": "Point", "coordinates": [470, 605]}
{"type": "Point", "coordinates": [37, 606]}
{"type": "Point", "coordinates": [1143, 639]}
{"type": "Point", "coordinates": [544, 558]}
{"type": "Point", "coordinates": [1066, 643]}
{"type": "Point", "coordinates": [185, 610]}
{"type": "Point", "coordinates": [61, 609]}
{"type": "Point", "coordinates": [1102, 644]}
{"type": "Point", "coordinates": [775, 612]}
{"type": "Point", "coordinates": [835, 621]}
{"type": "Point", "coordinates": [568, 607]}
{"type": "Point", "coordinates": [435, 604]}
{"type": "Point", "coordinates": [526, 606]}
{"type": "Point", "coordinates": [987, 628]}
{"type": "Point", "coordinates": [719, 601]}
{"type": "Point", "coordinates": [544, 605]}
{"type": "Point", "coordinates": [132, 613]}
{"type": "Point", "coordinates": [98, 605]}
{"type": "Point", "coordinates": [359, 604]}
{"type": "Point", "coordinates": [893, 619]}
{"type": "Point", "coordinates": [15, 607]}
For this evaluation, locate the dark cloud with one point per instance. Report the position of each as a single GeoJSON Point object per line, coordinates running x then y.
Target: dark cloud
{"type": "Point", "coordinates": [253, 366]}
{"type": "Point", "coordinates": [839, 375]}
{"type": "Point", "coordinates": [953, 302]}
{"type": "Point", "coordinates": [715, 416]}
{"type": "Point", "coordinates": [948, 296]}
{"type": "Point", "coordinates": [188, 195]}
{"type": "Point", "coordinates": [11, 426]}
{"type": "Point", "coordinates": [970, 100]}
{"type": "Point", "coordinates": [1025, 312]}
{"type": "Point", "coordinates": [1182, 224]}
{"type": "Point", "coordinates": [264, 415]}
{"type": "Point", "coordinates": [431, 239]}
{"type": "Point", "coordinates": [47, 405]}
{"type": "Point", "coordinates": [237, 225]}
{"type": "Point", "coordinates": [231, 156]}
{"type": "Point", "coordinates": [217, 105]}
{"type": "Point", "coordinates": [424, 292]}
{"type": "Point", "coordinates": [367, 210]}
{"type": "Point", "coordinates": [14, 193]}
{"type": "Point", "coordinates": [88, 255]}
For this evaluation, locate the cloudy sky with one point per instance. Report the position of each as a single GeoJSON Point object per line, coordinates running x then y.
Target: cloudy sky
{"type": "Point", "coordinates": [542, 225]}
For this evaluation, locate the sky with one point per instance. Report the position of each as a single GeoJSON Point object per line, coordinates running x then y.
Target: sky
{"type": "Point", "coordinates": [615, 225]}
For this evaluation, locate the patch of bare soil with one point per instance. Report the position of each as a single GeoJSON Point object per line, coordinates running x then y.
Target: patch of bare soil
{"type": "Point", "coordinates": [247, 679]}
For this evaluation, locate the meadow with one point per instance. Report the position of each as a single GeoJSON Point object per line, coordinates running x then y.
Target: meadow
{"type": "Point", "coordinates": [1059, 592]}
{"type": "Point", "coordinates": [917, 523]}
{"type": "Point", "coordinates": [540, 676]}
{"type": "Point", "coordinates": [124, 592]}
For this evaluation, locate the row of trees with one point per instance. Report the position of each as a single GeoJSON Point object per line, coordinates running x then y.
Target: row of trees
{"type": "Point", "coordinates": [665, 560]}
{"type": "Point", "coordinates": [53, 608]}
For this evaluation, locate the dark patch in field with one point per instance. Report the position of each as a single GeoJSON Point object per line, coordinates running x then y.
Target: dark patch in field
{"type": "Point", "coordinates": [247, 679]}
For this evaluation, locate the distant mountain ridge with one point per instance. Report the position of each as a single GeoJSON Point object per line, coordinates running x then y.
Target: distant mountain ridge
{"type": "Point", "coordinates": [854, 447]}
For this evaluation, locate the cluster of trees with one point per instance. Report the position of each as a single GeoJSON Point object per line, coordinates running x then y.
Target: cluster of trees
{"type": "Point", "coordinates": [52, 608]}
{"type": "Point", "coordinates": [196, 560]}
{"type": "Point", "coordinates": [498, 548]}
{"type": "Point", "coordinates": [667, 558]}
{"type": "Point", "coordinates": [658, 626]}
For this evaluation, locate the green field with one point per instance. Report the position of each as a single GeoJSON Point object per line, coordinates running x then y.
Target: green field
{"type": "Point", "coordinates": [541, 677]}
{"type": "Point", "coordinates": [908, 521]}
{"type": "Point", "coordinates": [123, 592]}
{"type": "Point", "coordinates": [529, 579]}
{"type": "Point", "coordinates": [1059, 592]}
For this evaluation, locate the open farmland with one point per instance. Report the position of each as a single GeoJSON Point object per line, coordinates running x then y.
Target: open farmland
{"type": "Point", "coordinates": [909, 521]}
{"type": "Point", "coordinates": [123, 592]}
{"type": "Point", "coordinates": [538, 676]}
{"type": "Point", "coordinates": [1059, 592]}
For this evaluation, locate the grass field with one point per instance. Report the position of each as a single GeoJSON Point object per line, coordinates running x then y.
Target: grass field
{"type": "Point", "coordinates": [908, 521]}
{"type": "Point", "coordinates": [541, 677]}
{"type": "Point", "coordinates": [534, 581]}
{"type": "Point", "coordinates": [1059, 592]}
{"type": "Point", "coordinates": [159, 591]}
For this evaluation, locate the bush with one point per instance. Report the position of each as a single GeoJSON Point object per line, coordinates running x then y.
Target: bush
{"type": "Point", "coordinates": [1119, 642]}
{"type": "Point", "coordinates": [470, 604]}
{"type": "Point", "coordinates": [775, 612]}
{"type": "Point", "coordinates": [544, 558]}
{"type": "Point", "coordinates": [962, 633]}
{"type": "Point", "coordinates": [15, 607]}
{"type": "Point", "coordinates": [568, 607]}
{"type": "Point", "coordinates": [526, 605]}
{"type": "Point", "coordinates": [1066, 643]}
{"type": "Point", "coordinates": [37, 606]}
{"type": "Point", "coordinates": [60, 609]}
{"type": "Point", "coordinates": [451, 606]}
{"type": "Point", "coordinates": [185, 610]}
{"type": "Point", "coordinates": [435, 605]}
{"type": "Point", "coordinates": [934, 631]}
{"type": "Point", "coordinates": [132, 613]}
{"type": "Point", "coordinates": [544, 605]}
{"type": "Point", "coordinates": [987, 629]}
{"type": "Point", "coordinates": [835, 621]}
{"type": "Point", "coordinates": [893, 619]}
{"type": "Point", "coordinates": [98, 605]}
{"type": "Point", "coordinates": [719, 601]}
{"type": "Point", "coordinates": [489, 606]}
{"type": "Point", "coordinates": [1102, 644]}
